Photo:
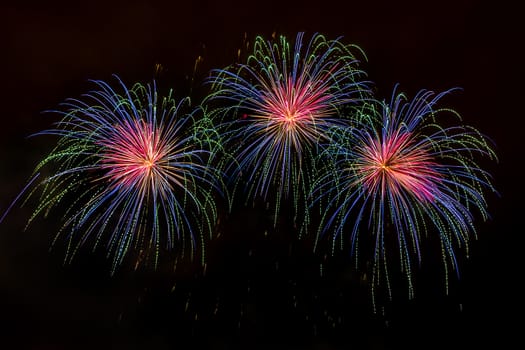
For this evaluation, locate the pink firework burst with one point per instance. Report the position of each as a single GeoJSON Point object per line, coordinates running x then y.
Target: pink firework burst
{"type": "Point", "coordinates": [398, 164]}
{"type": "Point", "coordinates": [289, 97]}
{"type": "Point", "coordinates": [294, 109]}
{"type": "Point", "coordinates": [404, 178]}
{"type": "Point", "coordinates": [136, 165]}
{"type": "Point", "coordinates": [137, 157]}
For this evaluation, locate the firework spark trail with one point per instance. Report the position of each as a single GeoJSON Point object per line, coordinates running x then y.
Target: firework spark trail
{"type": "Point", "coordinates": [138, 169]}
{"type": "Point", "coordinates": [285, 101]}
{"type": "Point", "coordinates": [404, 177]}
{"type": "Point", "coordinates": [18, 196]}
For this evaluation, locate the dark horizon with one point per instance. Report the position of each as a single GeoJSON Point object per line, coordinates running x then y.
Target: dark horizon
{"type": "Point", "coordinates": [254, 292]}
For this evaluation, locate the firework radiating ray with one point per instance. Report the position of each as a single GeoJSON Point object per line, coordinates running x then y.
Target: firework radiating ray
{"type": "Point", "coordinates": [136, 170]}
{"type": "Point", "coordinates": [403, 176]}
{"type": "Point", "coordinates": [283, 101]}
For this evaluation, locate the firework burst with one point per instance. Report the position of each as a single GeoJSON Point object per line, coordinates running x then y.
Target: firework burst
{"type": "Point", "coordinates": [283, 101]}
{"type": "Point", "coordinates": [136, 168]}
{"type": "Point", "coordinates": [405, 177]}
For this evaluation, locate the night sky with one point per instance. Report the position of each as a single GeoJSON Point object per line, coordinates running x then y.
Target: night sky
{"type": "Point", "coordinates": [258, 291]}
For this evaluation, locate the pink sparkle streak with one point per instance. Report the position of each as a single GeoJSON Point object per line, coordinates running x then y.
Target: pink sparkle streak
{"type": "Point", "coordinates": [136, 156]}
{"type": "Point", "coordinates": [397, 164]}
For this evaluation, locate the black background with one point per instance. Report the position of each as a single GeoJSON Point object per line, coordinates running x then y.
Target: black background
{"type": "Point", "coordinates": [268, 290]}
